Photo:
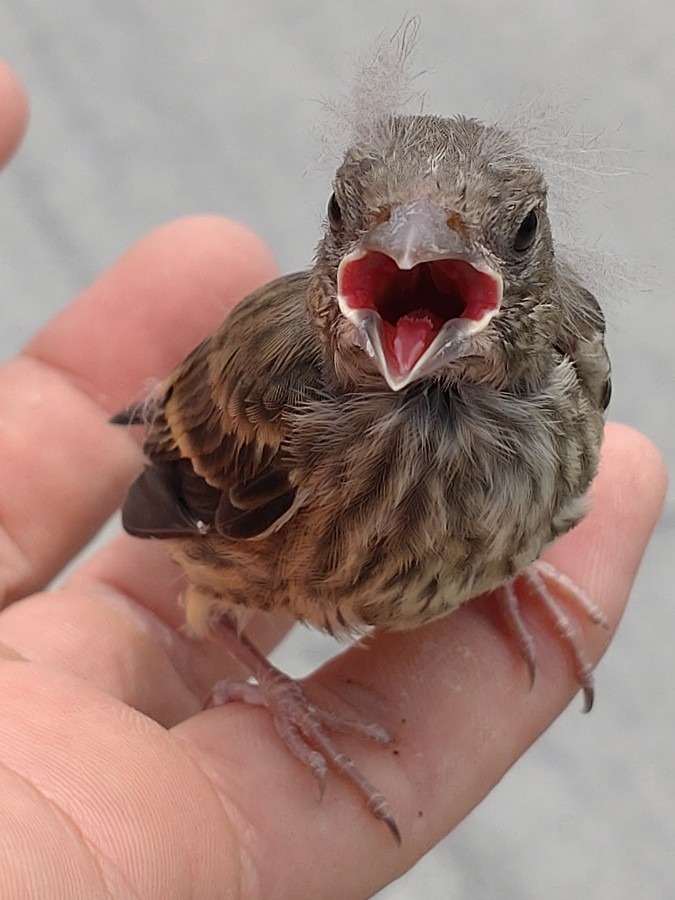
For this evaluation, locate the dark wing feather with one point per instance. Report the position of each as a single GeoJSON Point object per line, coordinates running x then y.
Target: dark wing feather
{"type": "Point", "coordinates": [584, 337]}
{"type": "Point", "coordinates": [591, 357]}
{"type": "Point", "coordinates": [130, 415]}
{"type": "Point", "coordinates": [215, 441]}
{"type": "Point", "coordinates": [156, 505]}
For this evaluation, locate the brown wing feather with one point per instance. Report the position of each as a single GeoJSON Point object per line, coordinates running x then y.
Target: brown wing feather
{"type": "Point", "coordinates": [584, 337]}
{"type": "Point", "coordinates": [215, 440]}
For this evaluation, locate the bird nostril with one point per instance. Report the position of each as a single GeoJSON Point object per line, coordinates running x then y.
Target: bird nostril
{"type": "Point", "coordinates": [382, 215]}
{"type": "Point", "coordinates": [456, 223]}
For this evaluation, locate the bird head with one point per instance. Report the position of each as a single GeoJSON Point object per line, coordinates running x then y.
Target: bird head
{"type": "Point", "coordinates": [437, 251]}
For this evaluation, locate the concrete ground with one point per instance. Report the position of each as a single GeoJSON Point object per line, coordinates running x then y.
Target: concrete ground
{"type": "Point", "coordinates": [145, 111]}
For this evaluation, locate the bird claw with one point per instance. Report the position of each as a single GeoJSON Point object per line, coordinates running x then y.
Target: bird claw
{"type": "Point", "coordinates": [545, 582]}
{"type": "Point", "coordinates": [304, 727]}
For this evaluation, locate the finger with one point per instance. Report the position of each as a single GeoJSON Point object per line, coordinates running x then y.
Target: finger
{"type": "Point", "coordinates": [98, 801]}
{"type": "Point", "coordinates": [14, 106]}
{"type": "Point", "coordinates": [117, 623]}
{"type": "Point", "coordinates": [65, 469]}
{"type": "Point", "coordinates": [457, 697]}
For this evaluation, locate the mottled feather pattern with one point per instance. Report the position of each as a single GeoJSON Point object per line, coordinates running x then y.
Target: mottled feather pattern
{"type": "Point", "coordinates": [314, 487]}
{"type": "Point", "coordinates": [453, 482]}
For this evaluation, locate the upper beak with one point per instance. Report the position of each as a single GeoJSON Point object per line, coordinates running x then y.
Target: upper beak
{"type": "Point", "coordinates": [416, 289]}
{"type": "Point", "coordinates": [414, 233]}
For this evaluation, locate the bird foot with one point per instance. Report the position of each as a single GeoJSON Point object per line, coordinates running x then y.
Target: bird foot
{"type": "Point", "coordinates": [303, 726]}
{"type": "Point", "coordinates": [553, 591]}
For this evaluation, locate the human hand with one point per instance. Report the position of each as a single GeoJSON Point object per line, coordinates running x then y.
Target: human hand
{"type": "Point", "coordinates": [110, 768]}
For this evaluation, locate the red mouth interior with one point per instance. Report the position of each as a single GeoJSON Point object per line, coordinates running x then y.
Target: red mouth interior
{"type": "Point", "coordinates": [414, 304]}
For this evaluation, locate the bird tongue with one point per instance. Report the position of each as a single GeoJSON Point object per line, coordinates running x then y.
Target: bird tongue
{"type": "Point", "coordinates": [407, 339]}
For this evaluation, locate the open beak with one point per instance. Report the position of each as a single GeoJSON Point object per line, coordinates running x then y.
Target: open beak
{"type": "Point", "coordinates": [416, 291]}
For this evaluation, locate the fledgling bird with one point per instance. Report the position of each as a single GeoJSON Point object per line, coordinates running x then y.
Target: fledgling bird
{"type": "Point", "coordinates": [403, 427]}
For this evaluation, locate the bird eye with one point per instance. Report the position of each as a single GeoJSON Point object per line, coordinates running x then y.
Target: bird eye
{"type": "Point", "coordinates": [527, 232]}
{"type": "Point", "coordinates": [334, 212]}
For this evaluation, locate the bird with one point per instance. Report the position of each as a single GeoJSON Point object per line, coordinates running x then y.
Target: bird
{"type": "Point", "coordinates": [406, 425]}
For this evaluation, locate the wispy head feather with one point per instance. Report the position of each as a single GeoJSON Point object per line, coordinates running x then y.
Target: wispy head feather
{"type": "Point", "coordinates": [576, 163]}
{"type": "Point", "coordinates": [382, 87]}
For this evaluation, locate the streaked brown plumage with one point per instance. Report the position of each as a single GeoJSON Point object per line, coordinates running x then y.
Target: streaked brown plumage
{"type": "Point", "coordinates": [405, 426]}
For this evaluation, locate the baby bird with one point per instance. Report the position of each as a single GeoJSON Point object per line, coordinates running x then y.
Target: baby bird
{"type": "Point", "coordinates": [405, 426]}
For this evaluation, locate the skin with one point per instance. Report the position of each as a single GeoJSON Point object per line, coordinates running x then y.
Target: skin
{"type": "Point", "coordinates": [108, 765]}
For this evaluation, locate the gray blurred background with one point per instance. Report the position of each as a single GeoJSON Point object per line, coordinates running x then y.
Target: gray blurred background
{"type": "Point", "coordinates": [143, 111]}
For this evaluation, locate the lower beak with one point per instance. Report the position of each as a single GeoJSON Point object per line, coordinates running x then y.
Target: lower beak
{"type": "Point", "coordinates": [416, 290]}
